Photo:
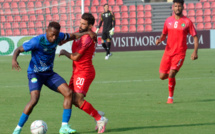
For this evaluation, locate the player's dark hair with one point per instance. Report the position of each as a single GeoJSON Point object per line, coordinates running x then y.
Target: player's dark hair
{"type": "Point", "coordinates": [89, 17]}
{"type": "Point", "coordinates": [105, 4]}
{"type": "Point", "coordinates": [179, 1]}
{"type": "Point", "coordinates": [55, 25]}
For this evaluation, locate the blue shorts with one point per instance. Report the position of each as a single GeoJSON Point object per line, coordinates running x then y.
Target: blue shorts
{"type": "Point", "coordinates": [51, 79]}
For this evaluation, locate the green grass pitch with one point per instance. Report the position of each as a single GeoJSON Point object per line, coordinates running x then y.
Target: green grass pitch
{"type": "Point", "coordinates": [127, 88]}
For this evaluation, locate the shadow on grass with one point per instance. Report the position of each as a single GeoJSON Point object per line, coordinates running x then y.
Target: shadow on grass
{"type": "Point", "coordinates": [206, 100]}
{"type": "Point", "coordinates": [122, 129]}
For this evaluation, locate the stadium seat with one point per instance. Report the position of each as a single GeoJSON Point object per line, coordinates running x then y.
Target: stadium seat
{"type": "Point", "coordinates": [148, 28]}
{"type": "Point", "coordinates": [30, 4]}
{"type": "Point", "coordinates": [132, 28]}
{"type": "Point", "coordinates": [9, 18]}
{"type": "Point", "coordinates": [148, 7]}
{"type": "Point", "coordinates": [48, 11]}
{"type": "Point", "coordinates": [140, 28]}
{"type": "Point", "coordinates": [22, 4]}
{"type": "Point", "coordinates": [39, 11]}
{"type": "Point", "coordinates": [213, 4]}
{"type": "Point", "coordinates": [2, 26]}
{"type": "Point", "coordinates": [203, 0]}
{"type": "Point", "coordinates": [39, 31]}
{"type": "Point", "coordinates": [140, 8]}
{"type": "Point", "coordinates": [7, 25]}
{"type": "Point", "coordinates": [184, 12]}
{"type": "Point", "coordinates": [54, 3]}
{"type": "Point", "coordinates": [124, 29]}
{"type": "Point", "coordinates": [32, 31]}
{"type": "Point", "coordinates": [119, 2]}
{"type": "Point", "coordinates": [9, 32]}
{"type": "Point", "coordinates": [117, 15]}
{"type": "Point", "coordinates": [124, 8]}
{"type": "Point", "coordinates": [100, 9]}
{"type": "Point", "coordinates": [208, 26]}
{"type": "Point", "coordinates": [6, 5]}
{"type": "Point", "coordinates": [148, 14]}
{"type": "Point", "coordinates": [56, 17]}
{"type": "Point", "coordinates": [193, 19]}
{"type": "Point", "coordinates": [207, 19]}
{"type": "Point", "coordinates": [93, 9]}
{"type": "Point", "coordinates": [77, 23]}
{"type": "Point", "coordinates": [63, 23]}
{"type": "Point", "coordinates": [72, 16]}
{"type": "Point", "coordinates": [110, 8]}
{"type": "Point", "coordinates": [38, 24]}
{"type": "Point", "coordinates": [16, 32]}
{"type": "Point", "coordinates": [24, 32]}
{"type": "Point", "coordinates": [77, 10]}
{"type": "Point", "coordinates": [211, 0]}
{"type": "Point", "coordinates": [62, 10]}
{"type": "Point", "coordinates": [78, 16]}
{"type": "Point", "coordinates": [185, 6]}
{"type": "Point", "coordinates": [32, 18]}
{"type": "Point", "coordinates": [31, 11]}
{"type": "Point", "coordinates": [103, 2]}
{"type": "Point", "coordinates": [206, 5]}
{"type": "Point", "coordinates": [86, 9]}
{"type": "Point", "coordinates": [124, 22]}
{"type": "Point", "coordinates": [2, 32]}
{"type": "Point", "coordinates": [190, 6]}
{"type": "Point", "coordinates": [48, 17]}
{"type": "Point", "coordinates": [140, 21]}
{"type": "Point", "coordinates": [140, 14]}
{"type": "Point", "coordinates": [72, 3]}
{"type": "Point", "coordinates": [63, 30]}
{"type": "Point", "coordinates": [198, 6]}
{"type": "Point", "coordinates": [132, 15]}
{"type": "Point", "coordinates": [213, 19]}
{"type": "Point", "coordinates": [23, 11]}
{"type": "Point", "coordinates": [38, 4]}
{"type": "Point", "coordinates": [87, 3]}
{"type": "Point", "coordinates": [3, 19]}
{"type": "Point", "coordinates": [46, 3]}
{"type": "Point", "coordinates": [207, 12]}
{"type": "Point", "coordinates": [124, 15]}
{"type": "Point", "coordinates": [199, 12]}
{"type": "Point", "coordinates": [23, 25]}
{"type": "Point", "coordinates": [54, 10]}
{"type": "Point", "coordinates": [14, 5]}
{"type": "Point", "coordinates": [132, 8]}
{"type": "Point", "coordinates": [213, 26]}
{"type": "Point", "coordinates": [116, 9]}
{"type": "Point", "coordinates": [31, 25]}
{"type": "Point", "coordinates": [78, 3]}
{"type": "Point", "coordinates": [118, 22]}
{"type": "Point", "coordinates": [117, 29]}
{"type": "Point", "coordinates": [132, 21]}
{"type": "Point", "coordinates": [63, 17]}
{"type": "Point", "coordinates": [191, 13]}
{"type": "Point", "coordinates": [200, 26]}
{"type": "Point", "coordinates": [17, 18]}
{"type": "Point", "coordinates": [15, 25]}
{"type": "Point", "coordinates": [199, 19]}
{"type": "Point", "coordinates": [148, 21]}
{"type": "Point", "coordinates": [95, 15]}
{"type": "Point", "coordinates": [95, 3]}
{"type": "Point", "coordinates": [111, 2]}
{"type": "Point", "coordinates": [69, 23]}
{"type": "Point", "coordinates": [7, 12]}
{"type": "Point", "coordinates": [1, 11]}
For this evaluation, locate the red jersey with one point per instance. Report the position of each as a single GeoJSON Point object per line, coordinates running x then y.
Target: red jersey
{"type": "Point", "coordinates": [85, 46]}
{"type": "Point", "coordinates": [177, 31]}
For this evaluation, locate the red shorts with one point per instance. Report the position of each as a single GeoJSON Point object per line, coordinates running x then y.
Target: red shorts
{"type": "Point", "coordinates": [80, 83]}
{"type": "Point", "coordinates": [171, 63]}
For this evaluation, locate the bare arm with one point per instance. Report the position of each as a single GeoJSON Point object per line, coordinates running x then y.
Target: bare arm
{"type": "Point", "coordinates": [162, 38]}
{"type": "Point", "coordinates": [194, 55]}
{"type": "Point", "coordinates": [15, 64]}
{"type": "Point", "coordinates": [73, 56]}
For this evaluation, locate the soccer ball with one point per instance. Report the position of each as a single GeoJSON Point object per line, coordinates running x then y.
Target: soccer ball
{"type": "Point", "coordinates": [38, 127]}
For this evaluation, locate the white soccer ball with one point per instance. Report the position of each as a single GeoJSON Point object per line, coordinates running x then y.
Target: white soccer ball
{"type": "Point", "coordinates": [38, 127]}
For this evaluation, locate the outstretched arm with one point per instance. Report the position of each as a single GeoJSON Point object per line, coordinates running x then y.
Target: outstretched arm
{"type": "Point", "coordinates": [194, 55]}
{"type": "Point", "coordinates": [162, 38]}
{"type": "Point", "coordinates": [73, 56]}
{"type": "Point", "coordinates": [15, 64]}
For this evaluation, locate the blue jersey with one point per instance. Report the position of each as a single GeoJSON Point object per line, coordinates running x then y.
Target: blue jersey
{"type": "Point", "coordinates": [42, 53]}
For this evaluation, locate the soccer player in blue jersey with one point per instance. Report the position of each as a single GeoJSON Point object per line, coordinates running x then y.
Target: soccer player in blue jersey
{"type": "Point", "coordinates": [40, 72]}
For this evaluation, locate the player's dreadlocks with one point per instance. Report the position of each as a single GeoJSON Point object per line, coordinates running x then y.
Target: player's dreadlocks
{"type": "Point", "coordinates": [55, 25]}
{"type": "Point", "coordinates": [179, 1]}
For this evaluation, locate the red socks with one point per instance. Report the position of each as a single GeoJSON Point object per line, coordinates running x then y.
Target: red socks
{"type": "Point", "coordinates": [171, 86]}
{"type": "Point", "coordinates": [88, 108]}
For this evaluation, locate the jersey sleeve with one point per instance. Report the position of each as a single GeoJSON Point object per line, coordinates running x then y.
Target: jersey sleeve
{"type": "Point", "coordinates": [64, 36]}
{"type": "Point", "coordinates": [31, 44]}
{"type": "Point", "coordinates": [165, 29]}
{"type": "Point", "coordinates": [192, 30]}
{"type": "Point", "coordinates": [86, 41]}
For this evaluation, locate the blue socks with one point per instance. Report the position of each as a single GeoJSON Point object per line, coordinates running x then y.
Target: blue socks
{"type": "Point", "coordinates": [66, 115]}
{"type": "Point", "coordinates": [23, 119]}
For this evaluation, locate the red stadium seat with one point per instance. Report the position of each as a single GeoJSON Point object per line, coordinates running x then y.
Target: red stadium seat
{"type": "Point", "coordinates": [148, 28]}
{"type": "Point", "coordinates": [31, 25]}
{"type": "Point", "coordinates": [132, 28]}
{"type": "Point", "coordinates": [140, 28]}
{"type": "Point", "coordinates": [69, 23]}
{"type": "Point", "coordinates": [93, 9]}
{"type": "Point", "coordinates": [118, 22]}
{"type": "Point", "coordinates": [191, 13]}
{"type": "Point", "coordinates": [103, 2]}
{"type": "Point", "coordinates": [193, 19]}
{"type": "Point", "coordinates": [124, 15]}
{"type": "Point", "coordinates": [9, 18]}
{"type": "Point", "coordinates": [198, 6]}
{"type": "Point", "coordinates": [203, 0]}
{"type": "Point", "coordinates": [86, 9]}
{"type": "Point", "coordinates": [72, 16]}
{"type": "Point", "coordinates": [16, 32]}
{"type": "Point", "coordinates": [56, 17]}
{"type": "Point", "coordinates": [87, 3]}
{"type": "Point", "coordinates": [2, 32]}
{"type": "Point", "coordinates": [132, 8]}
{"type": "Point", "coordinates": [124, 22]}
{"type": "Point", "coordinates": [116, 9]}
{"type": "Point", "coordinates": [54, 10]}
{"type": "Point", "coordinates": [54, 3]}
{"type": "Point", "coordinates": [39, 11]}
{"type": "Point", "coordinates": [124, 29]}
{"type": "Point", "coordinates": [17, 18]}
{"type": "Point", "coordinates": [77, 23]}
{"type": "Point", "coordinates": [38, 4]}
{"type": "Point", "coordinates": [30, 4]}
{"type": "Point", "coordinates": [199, 12]}
{"type": "Point", "coordinates": [95, 3]}
{"type": "Point", "coordinates": [148, 21]}
{"type": "Point", "coordinates": [200, 26]}
{"type": "Point", "coordinates": [117, 15]}
{"type": "Point", "coordinates": [63, 17]}
{"type": "Point", "coordinates": [208, 25]}
{"type": "Point", "coordinates": [140, 14]}
{"type": "Point", "coordinates": [206, 5]}
{"type": "Point", "coordinates": [213, 4]}
{"type": "Point", "coordinates": [190, 6]}
{"type": "Point", "coordinates": [3, 19]}
{"type": "Point", "coordinates": [111, 2]}
{"type": "Point", "coordinates": [140, 21]}
{"type": "Point", "coordinates": [2, 26]}
{"type": "Point", "coordinates": [132, 21]}
{"type": "Point", "coordinates": [100, 9]}
{"type": "Point", "coordinates": [38, 24]}
{"type": "Point", "coordinates": [132, 15]}
{"type": "Point", "coordinates": [110, 8]}
{"type": "Point", "coordinates": [117, 29]}
{"type": "Point", "coordinates": [184, 12]}
{"type": "Point", "coordinates": [24, 32]}
{"type": "Point", "coordinates": [23, 11]}
{"type": "Point", "coordinates": [39, 31]}
{"type": "Point", "coordinates": [62, 10]}
{"type": "Point", "coordinates": [48, 11]}
{"type": "Point", "coordinates": [213, 19]}
{"type": "Point", "coordinates": [7, 12]}
{"type": "Point", "coordinates": [63, 23]}
{"type": "Point", "coordinates": [63, 30]}
{"type": "Point", "coordinates": [6, 5]}
{"type": "Point", "coordinates": [213, 26]}
{"type": "Point", "coordinates": [14, 5]}
{"type": "Point", "coordinates": [185, 6]}
{"type": "Point", "coordinates": [7, 25]}
{"type": "Point", "coordinates": [207, 19]}
{"type": "Point", "coordinates": [31, 11]}
{"type": "Point", "coordinates": [46, 3]}
{"type": "Point", "coordinates": [1, 12]}
{"type": "Point", "coordinates": [23, 25]}
{"type": "Point", "coordinates": [32, 18]}
{"type": "Point", "coordinates": [78, 3]}
{"type": "Point", "coordinates": [95, 15]}
{"type": "Point", "coordinates": [140, 8]}
{"type": "Point", "coordinates": [77, 9]}
{"type": "Point", "coordinates": [207, 12]}
{"type": "Point", "coordinates": [148, 7]}
{"type": "Point", "coordinates": [48, 17]}
{"type": "Point", "coordinates": [148, 14]}
{"type": "Point", "coordinates": [199, 19]}
{"type": "Point", "coordinates": [119, 2]}
{"type": "Point", "coordinates": [9, 32]}
{"type": "Point", "coordinates": [78, 16]}
{"type": "Point", "coordinates": [124, 8]}
{"type": "Point", "coordinates": [22, 4]}
{"type": "Point", "coordinates": [72, 3]}
{"type": "Point", "coordinates": [32, 32]}
{"type": "Point", "coordinates": [15, 25]}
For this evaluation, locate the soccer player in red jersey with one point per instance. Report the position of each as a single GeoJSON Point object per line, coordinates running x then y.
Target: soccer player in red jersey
{"type": "Point", "coordinates": [176, 27]}
{"type": "Point", "coordinates": [83, 70]}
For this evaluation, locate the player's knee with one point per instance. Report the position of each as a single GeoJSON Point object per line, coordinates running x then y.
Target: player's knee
{"type": "Point", "coordinates": [68, 94]}
{"type": "Point", "coordinates": [163, 77]}
{"type": "Point", "coordinates": [78, 102]}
